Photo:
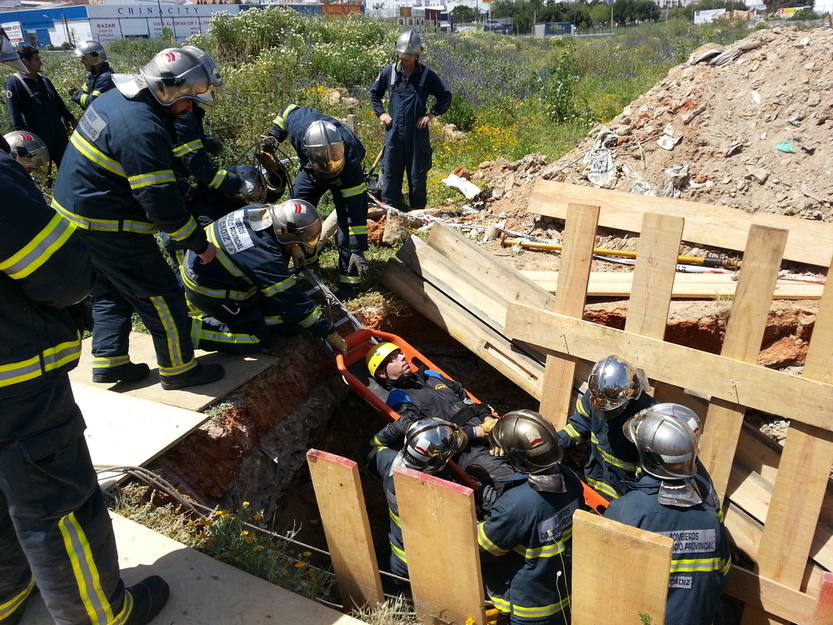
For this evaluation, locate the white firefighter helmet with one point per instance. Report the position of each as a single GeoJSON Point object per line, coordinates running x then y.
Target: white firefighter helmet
{"type": "Point", "coordinates": [324, 148]}
{"type": "Point", "coordinates": [90, 51]}
{"type": "Point", "coordinates": [613, 383]}
{"type": "Point", "coordinates": [409, 42]}
{"type": "Point", "coordinates": [296, 222]}
{"type": "Point", "coordinates": [429, 444]}
{"type": "Point", "coordinates": [28, 150]}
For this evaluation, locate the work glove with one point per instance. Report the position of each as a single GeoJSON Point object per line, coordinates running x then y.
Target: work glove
{"type": "Point", "coordinates": [337, 342]}
{"type": "Point", "coordinates": [299, 259]}
{"type": "Point", "coordinates": [486, 496]}
{"type": "Point", "coordinates": [358, 265]}
{"type": "Point", "coordinates": [268, 143]}
{"type": "Point", "coordinates": [72, 90]}
{"type": "Point", "coordinates": [250, 192]}
{"type": "Point", "coordinates": [489, 424]}
{"type": "Point", "coordinates": [496, 451]}
{"type": "Point", "coordinates": [213, 145]}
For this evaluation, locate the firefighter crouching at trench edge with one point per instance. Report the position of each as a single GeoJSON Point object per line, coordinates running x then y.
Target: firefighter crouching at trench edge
{"type": "Point", "coordinates": [117, 186]}
{"type": "Point", "coordinates": [330, 156]}
{"type": "Point", "coordinates": [55, 531]}
{"type": "Point", "coordinates": [249, 292]}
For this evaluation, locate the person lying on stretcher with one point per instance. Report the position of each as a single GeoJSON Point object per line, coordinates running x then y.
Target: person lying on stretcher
{"type": "Point", "coordinates": [423, 393]}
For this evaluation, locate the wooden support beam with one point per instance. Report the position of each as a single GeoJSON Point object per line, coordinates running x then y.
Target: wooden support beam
{"type": "Point", "coordinates": [338, 491]}
{"type": "Point", "coordinates": [708, 224]}
{"type": "Point", "coordinates": [742, 341]}
{"type": "Point", "coordinates": [576, 257]}
{"type": "Point", "coordinates": [438, 531]}
{"type": "Point", "coordinates": [624, 597]}
{"type": "Point", "coordinates": [747, 384]}
{"type": "Point", "coordinates": [764, 594]}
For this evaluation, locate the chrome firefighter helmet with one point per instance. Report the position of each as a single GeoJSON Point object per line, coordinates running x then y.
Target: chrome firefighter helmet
{"type": "Point", "coordinates": [667, 447]}
{"type": "Point", "coordinates": [178, 73]}
{"type": "Point", "coordinates": [253, 187]}
{"type": "Point", "coordinates": [324, 148]}
{"type": "Point", "coordinates": [298, 222]}
{"type": "Point", "coordinates": [429, 444]}
{"type": "Point", "coordinates": [409, 42]}
{"type": "Point", "coordinates": [8, 54]}
{"type": "Point", "coordinates": [91, 52]}
{"type": "Point", "coordinates": [28, 150]}
{"type": "Point", "coordinates": [613, 383]}
{"type": "Point", "coordinates": [529, 441]}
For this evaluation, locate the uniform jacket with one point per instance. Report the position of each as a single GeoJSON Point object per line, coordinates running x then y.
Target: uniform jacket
{"type": "Point", "coordinates": [700, 555]}
{"type": "Point", "coordinates": [99, 80]}
{"type": "Point", "coordinates": [526, 545]}
{"type": "Point", "coordinates": [117, 174]}
{"type": "Point", "coordinates": [35, 105]}
{"type": "Point", "coordinates": [613, 458]}
{"type": "Point", "coordinates": [425, 76]}
{"type": "Point", "coordinates": [45, 271]}
{"type": "Point", "coordinates": [292, 123]}
{"type": "Point", "coordinates": [251, 264]}
{"type": "Point", "coordinates": [192, 159]}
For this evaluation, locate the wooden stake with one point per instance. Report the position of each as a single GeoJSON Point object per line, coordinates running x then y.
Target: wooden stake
{"type": "Point", "coordinates": [338, 491]}
{"type": "Point", "coordinates": [438, 529]}
{"type": "Point", "coordinates": [744, 335]}
{"type": "Point", "coordinates": [607, 594]}
{"type": "Point", "coordinates": [574, 271]}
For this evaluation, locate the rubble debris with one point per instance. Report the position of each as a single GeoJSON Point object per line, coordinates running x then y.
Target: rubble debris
{"type": "Point", "coordinates": [468, 189]}
{"type": "Point", "coordinates": [785, 146]}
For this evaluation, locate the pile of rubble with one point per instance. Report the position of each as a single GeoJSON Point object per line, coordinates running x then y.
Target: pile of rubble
{"type": "Point", "coordinates": [749, 126]}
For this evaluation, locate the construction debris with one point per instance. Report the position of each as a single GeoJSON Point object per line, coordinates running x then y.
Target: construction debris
{"type": "Point", "coordinates": [465, 187]}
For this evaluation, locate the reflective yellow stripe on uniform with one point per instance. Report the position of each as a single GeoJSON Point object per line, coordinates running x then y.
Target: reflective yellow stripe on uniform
{"type": "Point", "coordinates": [187, 229]}
{"type": "Point", "coordinates": [545, 551]}
{"type": "Point", "coordinates": [273, 320]}
{"type": "Point", "coordinates": [399, 553]}
{"type": "Point", "coordinates": [353, 191]}
{"type": "Point", "coordinates": [98, 157]}
{"type": "Point", "coordinates": [105, 362]}
{"type": "Point", "coordinates": [538, 612]}
{"type": "Point", "coordinates": [605, 489]}
{"type": "Point", "coordinates": [580, 408]}
{"type": "Point", "coordinates": [279, 287]}
{"type": "Point", "coordinates": [610, 458]}
{"type": "Point", "coordinates": [697, 565]}
{"type": "Point", "coordinates": [9, 607]}
{"type": "Point", "coordinates": [39, 250]}
{"type": "Point", "coordinates": [218, 178]}
{"type": "Point", "coordinates": [83, 99]}
{"type": "Point", "coordinates": [171, 333]}
{"type": "Point", "coordinates": [237, 296]}
{"type": "Point", "coordinates": [501, 604]}
{"type": "Point", "coordinates": [85, 571]}
{"type": "Point", "coordinates": [280, 120]}
{"type": "Point", "coordinates": [485, 542]}
{"type": "Point", "coordinates": [187, 148]}
{"type": "Point", "coordinates": [394, 517]}
{"type": "Point", "coordinates": [312, 318]}
{"type": "Point", "coordinates": [345, 279]}
{"type": "Point", "coordinates": [229, 337]}
{"type": "Point", "coordinates": [50, 359]}
{"type": "Point", "coordinates": [571, 431]}
{"type": "Point", "coordinates": [357, 230]}
{"type": "Point", "coordinates": [95, 93]}
{"type": "Point", "coordinates": [224, 259]}
{"type": "Point", "coordinates": [178, 369]}
{"type": "Point", "coordinates": [104, 225]}
{"type": "Point", "coordinates": [140, 181]}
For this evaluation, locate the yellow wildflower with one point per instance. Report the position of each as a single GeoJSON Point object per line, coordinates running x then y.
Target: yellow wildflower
{"type": "Point", "coordinates": [307, 554]}
{"type": "Point", "coordinates": [300, 565]}
{"type": "Point", "coordinates": [244, 532]}
{"type": "Point", "coordinates": [257, 516]}
{"type": "Point", "coordinates": [257, 548]}
{"type": "Point", "coordinates": [246, 504]}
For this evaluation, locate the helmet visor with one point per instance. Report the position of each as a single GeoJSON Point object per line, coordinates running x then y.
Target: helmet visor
{"type": "Point", "coordinates": [608, 404]}
{"type": "Point", "coordinates": [326, 160]}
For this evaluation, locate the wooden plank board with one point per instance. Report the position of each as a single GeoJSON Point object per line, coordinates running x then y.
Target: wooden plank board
{"type": "Point", "coordinates": [743, 383]}
{"type": "Point", "coordinates": [129, 431]}
{"type": "Point", "coordinates": [686, 285]}
{"type": "Point", "coordinates": [707, 224]}
{"type": "Point", "coordinates": [620, 547]}
{"type": "Point", "coordinates": [765, 594]}
{"type": "Point", "coordinates": [577, 255]}
{"type": "Point", "coordinates": [239, 370]}
{"type": "Point", "coordinates": [824, 605]}
{"type": "Point", "coordinates": [204, 591]}
{"type": "Point", "coordinates": [438, 531]}
{"type": "Point", "coordinates": [742, 341]}
{"type": "Point", "coordinates": [338, 491]}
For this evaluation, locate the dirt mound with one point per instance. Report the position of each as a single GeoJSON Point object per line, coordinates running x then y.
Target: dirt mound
{"type": "Point", "coordinates": [750, 127]}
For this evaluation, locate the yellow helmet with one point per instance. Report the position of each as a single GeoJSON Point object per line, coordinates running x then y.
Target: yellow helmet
{"type": "Point", "coordinates": [376, 355]}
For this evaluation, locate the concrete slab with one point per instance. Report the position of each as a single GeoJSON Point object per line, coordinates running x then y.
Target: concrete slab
{"type": "Point", "coordinates": [204, 591]}
{"type": "Point", "coordinates": [239, 370]}
{"type": "Point", "coordinates": [129, 431]}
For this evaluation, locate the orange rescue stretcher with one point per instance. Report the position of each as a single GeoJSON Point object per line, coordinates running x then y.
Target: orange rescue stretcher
{"type": "Point", "coordinates": [355, 374]}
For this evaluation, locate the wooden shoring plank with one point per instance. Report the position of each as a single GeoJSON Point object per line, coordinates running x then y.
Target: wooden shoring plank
{"type": "Point", "coordinates": [625, 597]}
{"type": "Point", "coordinates": [742, 341]}
{"type": "Point", "coordinates": [467, 257]}
{"type": "Point", "coordinates": [771, 596]}
{"type": "Point", "coordinates": [338, 491]}
{"type": "Point", "coordinates": [707, 224]}
{"type": "Point", "coordinates": [576, 258]}
{"type": "Point", "coordinates": [439, 534]}
{"type": "Point", "coordinates": [743, 383]}
{"type": "Point", "coordinates": [489, 345]}
{"type": "Point", "coordinates": [806, 459]}
{"type": "Point", "coordinates": [824, 605]}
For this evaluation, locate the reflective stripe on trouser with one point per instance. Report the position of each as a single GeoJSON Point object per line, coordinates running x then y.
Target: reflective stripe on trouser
{"type": "Point", "coordinates": [211, 335]}
{"type": "Point", "coordinates": [132, 275]}
{"type": "Point", "coordinates": [50, 492]}
{"type": "Point", "coordinates": [100, 363]}
{"type": "Point", "coordinates": [544, 613]}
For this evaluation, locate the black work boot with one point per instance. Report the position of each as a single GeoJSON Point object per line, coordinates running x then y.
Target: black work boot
{"type": "Point", "coordinates": [130, 372]}
{"type": "Point", "coordinates": [149, 597]}
{"type": "Point", "coordinates": [201, 374]}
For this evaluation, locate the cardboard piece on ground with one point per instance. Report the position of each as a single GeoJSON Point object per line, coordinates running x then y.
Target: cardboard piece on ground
{"type": "Point", "coordinates": [239, 370]}
{"type": "Point", "coordinates": [686, 285]}
{"type": "Point", "coordinates": [129, 431]}
{"type": "Point", "coordinates": [620, 547]}
{"type": "Point", "coordinates": [204, 591]}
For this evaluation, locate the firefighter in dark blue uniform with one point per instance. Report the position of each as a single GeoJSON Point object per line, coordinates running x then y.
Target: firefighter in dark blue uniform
{"type": "Point", "coordinates": [407, 143]}
{"type": "Point", "coordinates": [668, 500]}
{"type": "Point", "coordinates": [35, 105]}
{"type": "Point", "coordinates": [99, 73]}
{"type": "Point", "coordinates": [330, 157]}
{"type": "Point", "coordinates": [526, 538]}
{"type": "Point", "coordinates": [55, 530]}
{"type": "Point", "coordinates": [616, 392]}
{"type": "Point", "coordinates": [426, 445]}
{"type": "Point", "coordinates": [118, 187]}
{"type": "Point", "coordinates": [249, 288]}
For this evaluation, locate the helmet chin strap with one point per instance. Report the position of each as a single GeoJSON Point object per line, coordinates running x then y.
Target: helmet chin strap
{"type": "Point", "coordinates": [550, 482]}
